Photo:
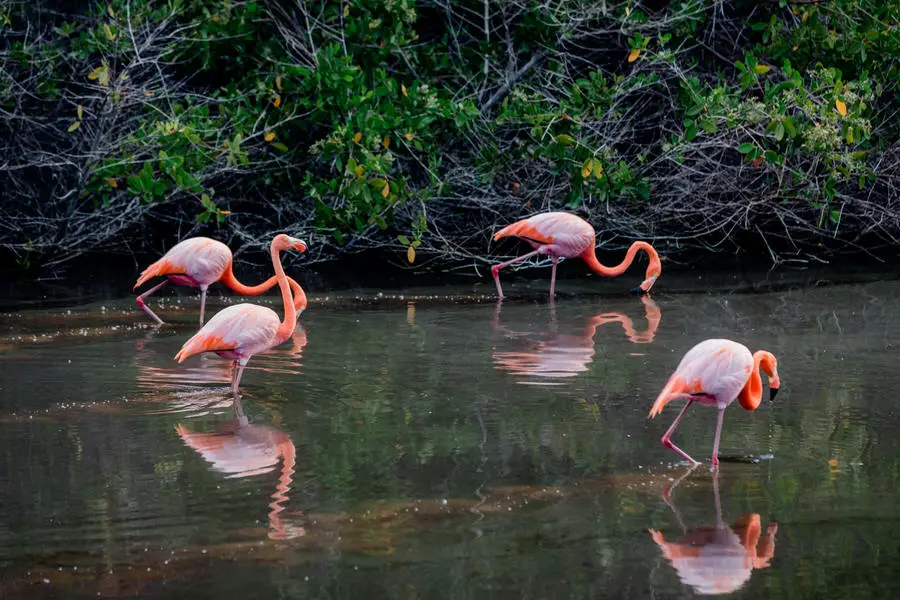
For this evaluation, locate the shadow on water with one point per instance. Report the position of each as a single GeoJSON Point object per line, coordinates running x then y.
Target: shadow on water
{"type": "Point", "coordinates": [387, 450]}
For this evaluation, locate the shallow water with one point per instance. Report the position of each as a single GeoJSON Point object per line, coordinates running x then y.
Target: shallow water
{"type": "Point", "coordinates": [419, 447]}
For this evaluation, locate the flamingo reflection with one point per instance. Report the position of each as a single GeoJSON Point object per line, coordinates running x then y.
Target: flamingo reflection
{"type": "Point", "coordinates": [718, 559]}
{"type": "Point", "coordinates": [565, 355]}
{"type": "Point", "coordinates": [239, 449]}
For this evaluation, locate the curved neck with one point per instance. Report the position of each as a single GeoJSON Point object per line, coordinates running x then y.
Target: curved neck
{"type": "Point", "coordinates": [751, 395]}
{"type": "Point", "coordinates": [232, 282]}
{"type": "Point", "coordinates": [654, 268]}
{"type": "Point", "coordinates": [290, 314]}
{"type": "Point", "coordinates": [280, 495]}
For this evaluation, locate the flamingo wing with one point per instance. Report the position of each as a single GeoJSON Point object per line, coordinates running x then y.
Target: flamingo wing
{"type": "Point", "coordinates": [715, 368]}
{"type": "Point", "coordinates": [244, 329]}
{"type": "Point", "coordinates": [568, 231]}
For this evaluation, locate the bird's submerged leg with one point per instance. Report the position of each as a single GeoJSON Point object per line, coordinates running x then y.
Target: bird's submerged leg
{"type": "Point", "coordinates": [495, 270]}
{"type": "Point", "coordinates": [667, 442]}
{"type": "Point", "coordinates": [719, 419]}
{"type": "Point", "coordinates": [202, 302]}
{"type": "Point", "coordinates": [239, 364]}
{"type": "Point", "coordinates": [553, 278]}
{"type": "Point", "coordinates": [140, 302]}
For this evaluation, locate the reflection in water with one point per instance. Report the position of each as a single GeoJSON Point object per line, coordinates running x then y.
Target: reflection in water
{"type": "Point", "coordinates": [240, 449]}
{"type": "Point", "coordinates": [565, 355]}
{"type": "Point", "coordinates": [718, 559]}
{"type": "Point", "coordinates": [180, 383]}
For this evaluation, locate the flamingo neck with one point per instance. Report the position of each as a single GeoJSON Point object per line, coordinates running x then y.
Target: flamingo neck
{"type": "Point", "coordinates": [280, 495]}
{"type": "Point", "coordinates": [751, 395]}
{"type": "Point", "coordinates": [654, 268]}
{"type": "Point", "coordinates": [232, 282]}
{"type": "Point", "coordinates": [290, 313]}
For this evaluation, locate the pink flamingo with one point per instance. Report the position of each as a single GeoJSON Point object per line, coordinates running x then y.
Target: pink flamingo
{"type": "Point", "coordinates": [715, 373]}
{"type": "Point", "coordinates": [564, 235]}
{"type": "Point", "coordinates": [242, 330]}
{"type": "Point", "coordinates": [200, 262]}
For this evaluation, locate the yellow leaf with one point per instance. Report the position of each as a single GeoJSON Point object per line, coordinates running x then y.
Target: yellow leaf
{"type": "Point", "coordinates": [411, 255]}
{"type": "Point", "coordinates": [109, 11]}
{"type": "Point", "coordinates": [357, 137]}
{"type": "Point", "coordinates": [850, 136]}
{"type": "Point", "coordinates": [385, 190]}
{"type": "Point", "coordinates": [148, 93]}
{"type": "Point", "coordinates": [112, 182]}
{"type": "Point", "coordinates": [762, 69]}
{"type": "Point", "coordinates": [597, 167]}
{"type": "Point", "coordinates": [586, 169]}
{"type": "Point", "coordinates": [269, 136]}
{"type": "Point", "coordinates": [277, 101]}
{"type": "Point", "coordinates": [346, 10]}
{"type": "Point", "coordinates": [109, 34]}
{"type": "Point", "coordinates": [794, 49]}
{"type": "Point", "coordinates": [409, 136]}
{"type": "Point", "coordinates": [278, 82]}
{"type": "Point", "coordinates": [805, 16]}
{"type": "Point", "coordinates": [359, 171]}
{"type": "Point", "coordinates": [75, 125]}
{"type": "Point", "coordinates": [386, 141]}
{"type": "Point", "coordinates": [403, 89]}
{"type": "Point", "coordinates": [634, 55]}
{"type": "Point", "coordinates": [225, 145]}
{"type": "Point", "coordinates": [215, 17]}
{"type": "Point", "coordinates": [80, 112]}
{"type": "Point", "coordinates": [224, 212]}
{"type": "Point", "coordinates": [841, 107]}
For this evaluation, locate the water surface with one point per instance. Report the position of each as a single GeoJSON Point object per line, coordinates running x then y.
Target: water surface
{"type": "Point", "coordinates": [420, 447]}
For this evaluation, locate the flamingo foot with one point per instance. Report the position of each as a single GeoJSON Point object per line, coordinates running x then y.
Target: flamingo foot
{"type": "Point", "coordinates": [671, 446]}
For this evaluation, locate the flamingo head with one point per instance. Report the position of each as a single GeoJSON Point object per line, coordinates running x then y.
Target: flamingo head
{"type": "Point", "coordinates": [286, 242]}
{"type": "Point", "coordinates": [769, 366]}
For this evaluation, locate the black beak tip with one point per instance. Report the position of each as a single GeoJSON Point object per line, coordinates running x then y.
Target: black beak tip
{"type": "Point", "coordinates": [772, 393]}
{"type": "Point", "coordinates": [637, 290]}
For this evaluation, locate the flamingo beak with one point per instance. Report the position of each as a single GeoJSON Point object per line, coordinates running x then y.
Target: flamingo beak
{"type": "Point", "coordinates": [772, 392]}
{"type": "Point", "coordinates": [298, 244]}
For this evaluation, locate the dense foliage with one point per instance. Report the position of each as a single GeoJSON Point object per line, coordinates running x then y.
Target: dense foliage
{"type": "Point", "coordinates": [424, 125]}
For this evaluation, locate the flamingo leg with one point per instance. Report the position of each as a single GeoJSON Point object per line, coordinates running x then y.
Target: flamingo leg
{"type": "Point", "coordinates": [240, 364]}
{"type": "Point", "coordinates": [668, 442]}
{"type": "Point", "coordinates": [202, 302]}
{"type": "Point", "coordinates": [140, 302]}
{"type": "Point", "coordinates": [720, 418]}
{"type": "Point", "coordinates": [495, 270]}
{"type": "Point", "coordinates": [234, 369]}
{"type": "Point", "coordinates": [553, 277]}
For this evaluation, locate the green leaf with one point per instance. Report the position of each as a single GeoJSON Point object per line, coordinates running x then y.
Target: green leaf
{"type": "Point", "coordinates": [564, 139]}
{"type": "Point", "coordinates": [280, 146]}
{"type": "Point", "coordinates": [690, 132]}
{"type": "Point", "coordinates": [403, 240]}
{"type": "Point", "coordinates": [789, 126]}
{"type": "Point", "coordinates": [708, 126]}
{"type": "Point", "coordinates": [779, 132]}
{"type": "Point", "coordinates": [745, 148]}
{"type": "Point", "coordinates": [75, 125]}
{"type": "Point", "coordinates": [694, 110]}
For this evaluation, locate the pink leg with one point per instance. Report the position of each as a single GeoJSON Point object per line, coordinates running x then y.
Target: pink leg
{"type": "Point", "coordinates": [668, 443]}
{"type": "Point", "coordinates": [234, 370]}
{"type": "Point", "coordinates": [144, 307]}
{"type": "Point", "coordinates": [495, 270]}
{"type": "Point", "coordinates": [240, 364]}
{"type": "Point", "coordinates": [202, 302]}
{"type": "Point", "coordinates": [715, 458]}
{"type": "Point", "coordinates": [553, 277]}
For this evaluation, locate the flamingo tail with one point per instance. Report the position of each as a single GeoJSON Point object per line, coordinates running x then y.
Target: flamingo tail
{"type": "Point", "coordinates": [160, 267]}
{"type": "Point", "coordinates": [202, 342]}
{"type": "Point", "coordinates": [674, 389]}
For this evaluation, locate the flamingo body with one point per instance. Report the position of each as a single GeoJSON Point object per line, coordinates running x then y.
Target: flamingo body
{"type": "Point", "coordinates": [200, 262]}
{"type": "Point", "coordinates": [564, 235]}
{"type": "Point", "coordinates": [717, 372]}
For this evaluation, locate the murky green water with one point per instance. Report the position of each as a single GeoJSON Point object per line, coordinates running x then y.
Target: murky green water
{"type": "Point", "coordinates": [418, 448]}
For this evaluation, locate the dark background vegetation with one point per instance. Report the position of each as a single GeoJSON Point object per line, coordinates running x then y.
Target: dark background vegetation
{"type": "Point", "coordinates": [376, 126]}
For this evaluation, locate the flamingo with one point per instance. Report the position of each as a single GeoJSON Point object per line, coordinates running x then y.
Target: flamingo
{"type": "Point", "coordinates": [717, 372]}
{"type": "Point", "coordinates": [719, 559]}
{"type": "Point", "coordinates": [564, 235]}
{"type": "Point", "coordinates": [242, 330]}
{"type": "Point", "coordinates": [200, 262]}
